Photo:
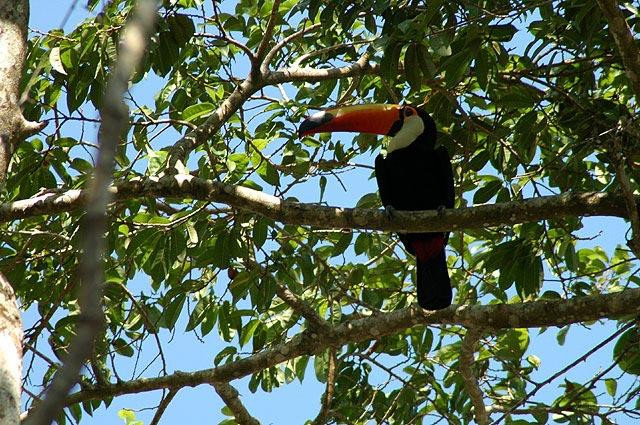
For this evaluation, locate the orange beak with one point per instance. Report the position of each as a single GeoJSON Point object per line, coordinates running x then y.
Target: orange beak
{"type": "Point", "coordinates": [374, 118]}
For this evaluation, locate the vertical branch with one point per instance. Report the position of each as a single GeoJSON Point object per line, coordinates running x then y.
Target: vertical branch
{"type": "Point", "coordinates": [231, 398]}
{"type": "Point", "coordinates": [629, 198]}
{"type": "Point", "coordinates": [468, 376]}
{"type": "Point", "coordinates": [266, 37]}
{"type": "Point", "coordinates": [10, 355]}
{"type": "Point", "coordinates": [14, 17]}
{"type": "Point", "coordinates": [327, 398]}
{"type": "Point", "coordinates": [114, 115]}
{"type": "Point", "coordinates": [624, 40]}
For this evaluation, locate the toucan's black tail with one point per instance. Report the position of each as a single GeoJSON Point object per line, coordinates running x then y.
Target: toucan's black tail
{"type": "Point", "coordinates": [434, 285]}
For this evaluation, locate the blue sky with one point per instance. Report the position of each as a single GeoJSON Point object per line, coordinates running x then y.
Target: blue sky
{"type": "Point", "coordinates": [296, 402]}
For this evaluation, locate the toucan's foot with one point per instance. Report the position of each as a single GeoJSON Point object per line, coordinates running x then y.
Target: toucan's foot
{"type": "Point", "coordinates": [440, 210]}
{"type": "Point", "coordinates": [390, 212]}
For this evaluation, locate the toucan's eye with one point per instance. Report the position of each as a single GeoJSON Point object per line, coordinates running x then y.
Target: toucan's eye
{"type": "Point", "coordinates": [408, 112]}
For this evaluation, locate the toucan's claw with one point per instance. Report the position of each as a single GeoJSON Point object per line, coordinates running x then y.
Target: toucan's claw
{"type": "Point", "coordinates": [440, 210]}
{"type": "Point", "coordinates": [390, 212]}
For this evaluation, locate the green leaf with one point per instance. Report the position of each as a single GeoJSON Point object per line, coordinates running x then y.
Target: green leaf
{"type": "Point", "coordinates": [457, 66]}
{"type": "Point", "coordinates": [481, 68]}
{"type": "Point", "coordinates": [502, 32]}
{"type": "Point", "coordinates": [412, 69]}
{"type": "Point", "coordinates": [193, 112]}
{"type": "Point", "coordinates": [487, 191]}
{"type": "Point", "coordinates": [389, 63]}
{"type": "Point", "coordinates": [612, 386]}
{"type": "Point", "coordinates": [342, 244]}
{"type": "Point", "coordinates": [260, 230]}
{"type": "Point", "coordinates": [627, 351]}
{"type": "Point", "coordinates": [248, 331]}
{"type": "Point", "coordinates": [562, 335]}
{"type": "Point", "coordinates": [320, 365]}
{"type": "Point", "coordinates": [269, 174]}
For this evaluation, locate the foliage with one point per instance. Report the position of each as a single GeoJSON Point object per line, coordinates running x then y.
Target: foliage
{"type": "Point", "coordinates": [528, 97]}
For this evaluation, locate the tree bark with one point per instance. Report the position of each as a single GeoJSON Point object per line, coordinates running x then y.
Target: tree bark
{"type": "Point", "coordinates": [14, 16]}
{"type": "Point", "coordinates": [10, 355]}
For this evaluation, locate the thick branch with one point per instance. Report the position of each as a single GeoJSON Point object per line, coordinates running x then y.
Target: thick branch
{"type": "Point", "coordinates": [189, 187]}
{"type": "Point", "coordinates": [10, 354]}
{"type": "Point", "coordinates": [317, 74]}
{"type": "Point", "coordinates": [624, 40]}
{"type": "Point", "coordinates": [496, 316]}
{"type": "Point", "coordinates": [14, 17]}
{"type": "Point", "coordinates": [114, 118]}
{"type": "Point", "coordinates": [231, 398]}
{"type": "Point", "coordinates": [468, 376]}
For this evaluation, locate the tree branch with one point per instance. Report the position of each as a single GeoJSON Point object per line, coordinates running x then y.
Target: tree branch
{"type": "Point", "coordinates": [624, 40]}
{"type": "Point", "coordinates": [539, 313]}
{"type": "Point", "coordinates": [287, 75]}
{"type": "Point", "coordinates": [268, 32]}
{"type": "Point", "coordinates": [114, 117]}
{"type": "Point", "coordinates": [327, 397]}
{"type": "Point", "coordinates": [10, 354]}
{"type": "Point", "coordinates": [629, 198]}
{"type": "Point", "coordinates": [164, 403]}
{"type": "Point", "coordinates": [280, 45]}
{"type": "Point", "coordinates": [469, 342]}
{"type": "Point", "coordinates": [230, 397]}
{"type": "Point", "coordinates": [324, 217]}
{"type": "Point", "coordinates": [14, 18]}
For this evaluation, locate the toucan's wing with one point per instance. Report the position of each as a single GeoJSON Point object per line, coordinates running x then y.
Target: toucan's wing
{"type": "Point", "coordinates": [383, 180]}
{"type": "Point", "coordinates": [446, 171]}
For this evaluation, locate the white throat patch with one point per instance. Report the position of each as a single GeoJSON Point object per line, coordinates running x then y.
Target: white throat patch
{"type": "Point", "coordinates": [411, 129]}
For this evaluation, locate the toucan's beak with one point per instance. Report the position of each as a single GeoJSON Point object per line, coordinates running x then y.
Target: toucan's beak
{"type": "Point", "coordinates": [374, 118]}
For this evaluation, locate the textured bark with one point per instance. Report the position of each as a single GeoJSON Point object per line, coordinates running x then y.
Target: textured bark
{"type": "Point", "coordinates": [469, 378]}
{"type": "Point", "coordinates": [497, 316]}
{"type": "Point", "coordinates": [10, 355]}
{"type": "Point", "coordinates": [14, 16]}
{"type": "Point", "coordinates": [231, 398]}
{"type": "Point", "coordinates": [185, 186]}
{"type": "Point", "coordinates": [623, 37]}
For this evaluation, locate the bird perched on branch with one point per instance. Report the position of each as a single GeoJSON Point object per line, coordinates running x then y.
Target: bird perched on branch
{"type": "Point", "coordinates": [414, 175]}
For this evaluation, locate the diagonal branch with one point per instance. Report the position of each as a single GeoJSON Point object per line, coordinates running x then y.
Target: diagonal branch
{"type": "Point", "coordinates": [231, 398]}
{"type": "Point", "coordinates": [162, 407]}
{"type": "Point", "coordinates": [280, 45]}
{"type": "Point", "coordinates": [624, 40]}
{"type": "Point", "coordinates": [268, 32]}
{"type": "Point", "coordinates": [324, 217]}
{"type": "Point", "coordinates": [469, 342]}
{"type": "Point", "coordinates": [114, 118]}
{"type": "Point", "coordinates": [539, 313]}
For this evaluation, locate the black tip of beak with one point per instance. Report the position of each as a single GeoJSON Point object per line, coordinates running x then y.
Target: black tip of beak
{"type": "Point", "coordinates": [314, 121]}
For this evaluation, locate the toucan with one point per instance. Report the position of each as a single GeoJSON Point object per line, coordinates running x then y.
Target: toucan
{"type": "Point", "coordinates": [414, 175]}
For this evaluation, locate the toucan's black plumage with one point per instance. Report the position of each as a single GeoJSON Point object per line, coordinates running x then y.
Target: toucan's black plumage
{"type": "Point", "coordinates": [414, 175]}
{"type": "Point", "coordinates": [419, 177]}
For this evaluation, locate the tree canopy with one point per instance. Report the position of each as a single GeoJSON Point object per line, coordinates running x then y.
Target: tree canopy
{"type": "Point", "coordinates": [276, 247]}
